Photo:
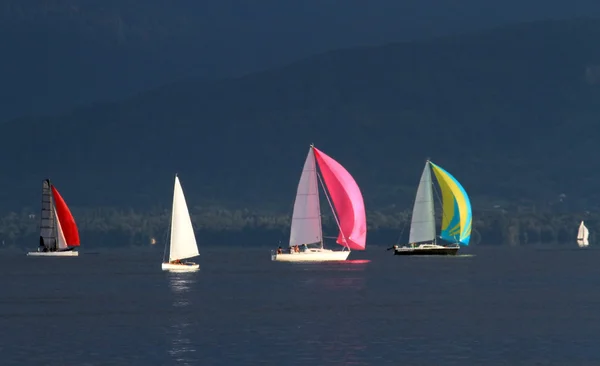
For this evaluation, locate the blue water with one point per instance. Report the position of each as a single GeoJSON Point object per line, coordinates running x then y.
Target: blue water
{"type": "Point", "coordinates": [494, 307]}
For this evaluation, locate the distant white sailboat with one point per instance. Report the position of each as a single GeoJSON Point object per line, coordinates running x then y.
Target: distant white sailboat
{"type": "Point", "coordinates": [58, 231]}
{"type": "Point", "coordinates": [306, 232]}
{"type": "Point", "coordinates": [582, 236]}
{"type": "Point", "coordinates": [183, 241]}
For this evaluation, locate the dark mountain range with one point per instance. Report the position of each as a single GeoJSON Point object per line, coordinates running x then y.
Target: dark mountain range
{"type": "Point", "coordinates": [511, 112]}
{"type": "Point", "coordinates": [59, 54]}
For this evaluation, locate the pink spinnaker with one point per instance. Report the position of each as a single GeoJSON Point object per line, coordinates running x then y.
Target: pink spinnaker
{"type": "Point", "coordinates": [347, 200]}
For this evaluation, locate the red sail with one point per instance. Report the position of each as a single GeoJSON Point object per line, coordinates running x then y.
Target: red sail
{"type": "Point", "coordinates": [347, 200]}
{"type": "Point", "coordinates": [67, 222]}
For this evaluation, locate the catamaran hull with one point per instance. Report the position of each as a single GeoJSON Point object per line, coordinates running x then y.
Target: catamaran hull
{"type": "Point", "coordinates": [68, 253]}
{"type": "Point", "coordinates": [317, 256]}
{"type": "Point", "coordinates": [185, 267]}
{"type": "Point", "coordinates": [426, 251]}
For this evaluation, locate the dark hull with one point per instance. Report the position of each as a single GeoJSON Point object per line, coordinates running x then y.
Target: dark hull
{"type": "Point", "coordinates": [426, 251]}
{"type": "Point", "coordinates": [69, 249]}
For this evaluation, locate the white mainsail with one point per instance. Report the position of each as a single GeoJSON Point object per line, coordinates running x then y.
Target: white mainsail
{"type": "Point", "coordinates": [306, 219]}
{"type": "Point", "coordinates": [583, 235]}
{"type": "Point", "coordinates": [183, 241]}
{"type": "Point", "coordinates": [422, 225]}
{"type": "Point", "coordinates": [60, 235]}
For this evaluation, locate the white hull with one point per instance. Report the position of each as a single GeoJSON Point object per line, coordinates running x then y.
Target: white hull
{"type": "Point", "coordinates": [68, 253]}
{"type": "Point", "coordinates": [311, 255]}
{"type": "Point", "coordinates": [184, 267]}
{"type": "Point", "coordinates": [582, 245]}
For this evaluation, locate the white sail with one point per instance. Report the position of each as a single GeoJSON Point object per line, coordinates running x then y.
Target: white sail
{"type": "Point", "coordinates": [183, 242]}
{"type": "Point", "coordinates": [306, 219]}
{"type": "Point", "coordinates": [60, 235]}
{"type": "Point", "coordinates": [583, 235]}
{"type": "Point", "coordinates": [422, 225]}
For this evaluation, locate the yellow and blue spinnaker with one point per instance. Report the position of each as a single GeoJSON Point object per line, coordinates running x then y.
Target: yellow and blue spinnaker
{"type": "Point", "coordinates": [457, 216]}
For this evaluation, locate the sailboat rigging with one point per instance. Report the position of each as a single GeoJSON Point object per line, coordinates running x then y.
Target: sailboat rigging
{"type": "Point", "coordinates": [59, 235]}
{"type": "Point", "coordinates": [456, 216]}
{"type": "Point", "coordinates": [582, 236]}
{"type": "Point", "coordinates": [346, 202]}
{"type": "Point", "coordinates": [182, 239]}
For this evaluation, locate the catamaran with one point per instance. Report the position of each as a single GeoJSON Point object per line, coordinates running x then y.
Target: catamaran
{"type": "Point", "coordinates": [58, 231]}
{"type": "Point", "coordinates": [183, 241]}
{"type": "Point", "coordinates": [582, 236]}
{"type": "Point", "coordinates": [456, 216]}
{"type": "Point", "coordinates": [346, 202]}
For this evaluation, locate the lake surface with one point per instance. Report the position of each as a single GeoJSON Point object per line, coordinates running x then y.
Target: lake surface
{"type": "Point", "coordinates": [496, 306]}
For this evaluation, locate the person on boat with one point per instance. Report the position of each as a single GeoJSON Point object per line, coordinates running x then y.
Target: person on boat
{"type": "Point", "coordinates": [279, 250]}
{"type": "Point", "coordinates": [176, 261]}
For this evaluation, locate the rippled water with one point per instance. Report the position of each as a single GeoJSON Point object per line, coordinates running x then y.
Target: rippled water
{"type": "Point", "coordinates": [492, 307]}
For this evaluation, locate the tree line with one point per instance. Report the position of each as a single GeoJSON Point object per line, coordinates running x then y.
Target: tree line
{"type": "Point", "coordinates": [108, 226]}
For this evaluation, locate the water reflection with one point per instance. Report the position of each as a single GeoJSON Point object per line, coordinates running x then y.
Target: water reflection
{"type": "Point", "coordinates": [182, 348]}
{"type": "Point", "coordinates": [180, 285]}
{"type": "Point", "coordinates": [344, 348]}
{"type": "Point", "coordinates": [349, 265]}
{"type": "Point", "coordinates": [351, 283]}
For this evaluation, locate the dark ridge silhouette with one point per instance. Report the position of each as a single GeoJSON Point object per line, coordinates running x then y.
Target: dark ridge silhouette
{"type": "Point", "coordinates": [511, 112]}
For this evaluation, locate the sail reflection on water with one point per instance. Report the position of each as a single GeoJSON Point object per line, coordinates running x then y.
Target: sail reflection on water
{"type": "Point", "coordinates": [182, 349]}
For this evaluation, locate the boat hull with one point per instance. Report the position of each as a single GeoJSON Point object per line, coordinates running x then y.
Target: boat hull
{"type": "Point", "coordinates": [322, 255]}
{"type": "Point", "coordinates": [430, 249]}
{"type": "Point", "coordinates": [66, 253]}
{"type": "Point", "coordinates": [184, 267]}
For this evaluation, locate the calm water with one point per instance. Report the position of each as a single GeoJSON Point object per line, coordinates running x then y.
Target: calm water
{"type": "Point", "coordinates": [496, 307]}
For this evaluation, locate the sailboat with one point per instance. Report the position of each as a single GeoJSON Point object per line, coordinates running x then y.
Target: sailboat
{"type": "Point", "coordinates": [183, 241]}
{"type": "Point", "coordinates": [456, 216]}
{"type": "Point", "coordinates": [58, 231]}
{"type": "Point", "coordinates": [346, 202]}
{"type": "Point", "coordinates": [582, 236]}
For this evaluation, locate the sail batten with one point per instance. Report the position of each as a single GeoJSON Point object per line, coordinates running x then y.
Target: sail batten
{"type": "Point", "coordinates": [306, 219]}
{"type": "Point", "coordinates": [183, 241]}
{"type": "Point", "coordinates": [422, 226]}
{"type": "Point", "coordinates": [347, 200]}
{"type": "Point", "coordinates": [47, 224]}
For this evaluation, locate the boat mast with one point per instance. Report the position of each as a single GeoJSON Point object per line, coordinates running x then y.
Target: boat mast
{"type": "Point", "coordinates": [312, 146]}
{"type": "Point", "coordinates": [169, 232]}
{"type": "Point", "coordinates": [433, 211]}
